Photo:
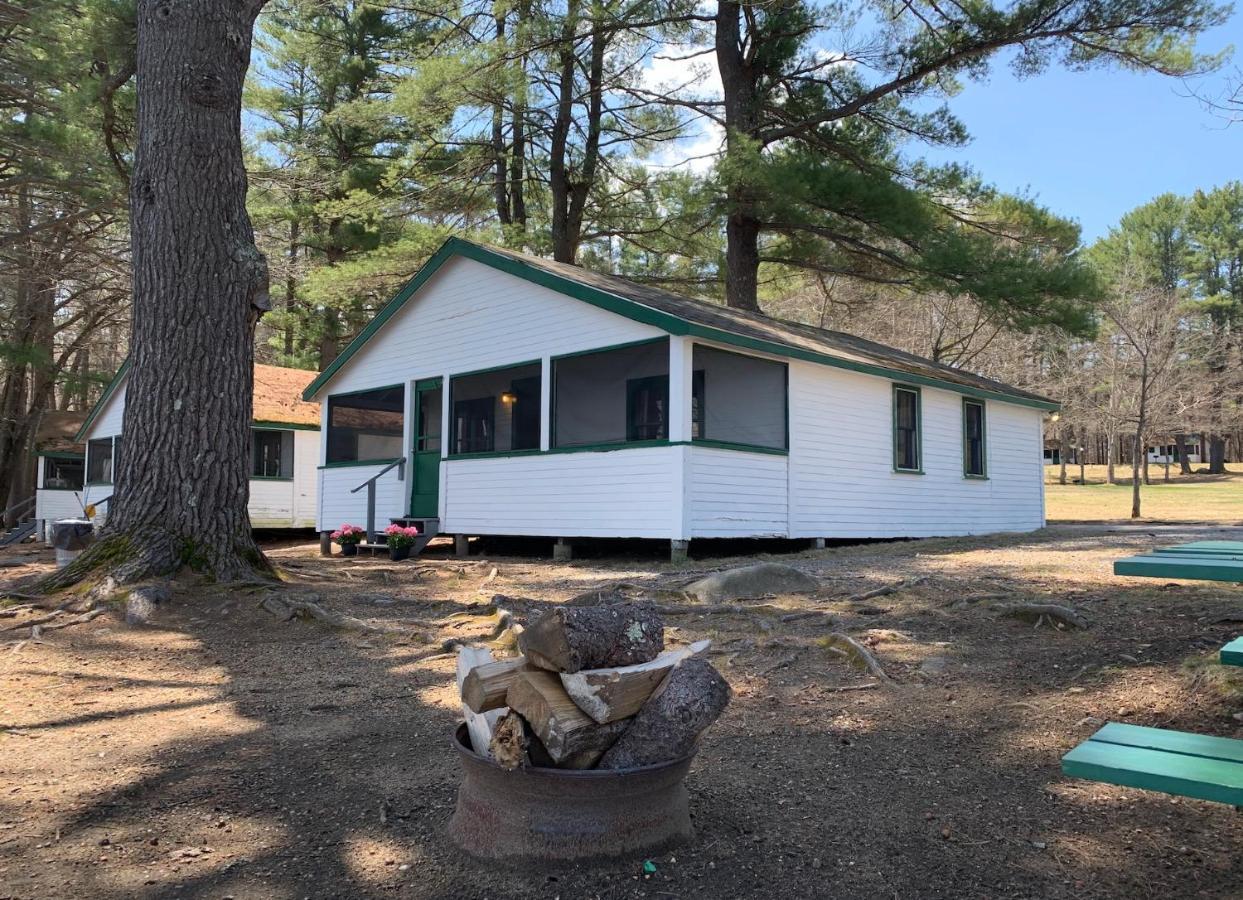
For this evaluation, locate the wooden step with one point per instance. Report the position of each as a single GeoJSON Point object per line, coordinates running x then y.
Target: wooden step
{"type": "Point", "coordinates": [1232, 653]}
{"type": "Point", "coordinates": [1201, 568]}
{"type": "Point", "coordinates": [1157, 759]}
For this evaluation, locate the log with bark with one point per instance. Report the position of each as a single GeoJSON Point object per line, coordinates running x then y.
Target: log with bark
{"type": "Point", "coordinates": [571, 738]}
{"type": "Point", "coordinates": [691, 698]}
{"type": "Point", "coordinates": [485, 686]}
{"type": "Point", "coordinates": [618, 693]}
{"type": "Point", "coordinates": [568, 639]}
{"type": "Point", "coordinates": [478, 724]}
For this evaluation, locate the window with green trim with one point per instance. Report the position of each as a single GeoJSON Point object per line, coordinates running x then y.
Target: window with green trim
{"type": "Point", "coordinates": [612, 396]}
{"type": "Point", "coordinates": [496, 411]}
{"type": "Point", "coordinates": [63, 474]}
{"type": "Point", "coordinates": [974, 442]}
{"type": "Point", "coordinates": [99, 461]}
{"type": "Point", "coordinates": [366, 425]}
{"type": "Point", "coordinates": [271, 453]}
{"type": "Point", "coordinates": [906, 438]}
{"type": "Point", "coordinates": [738, 399]}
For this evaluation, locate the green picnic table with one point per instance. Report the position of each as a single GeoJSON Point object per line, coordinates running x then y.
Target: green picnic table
{"type": "Point", "coordinates": [1159, 759]}
{"type": "Point", "coordinates": [1199, 560]}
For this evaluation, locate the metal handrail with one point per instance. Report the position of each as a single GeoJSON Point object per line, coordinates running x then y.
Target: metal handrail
{"type": "Point", "coordinates": [369, 484]}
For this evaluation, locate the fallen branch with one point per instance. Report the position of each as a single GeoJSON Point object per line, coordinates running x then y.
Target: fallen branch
{"type": "Point", "coordinates": [80, 620]}
{"type": "Point", "coordinates": [13, 612]}
{"type": "Point", "coordinates": [1060, 617]}
{"type": "Point", "coordinates": [39, 621]}
{"type": "Point", "coordinates": [856, 654]}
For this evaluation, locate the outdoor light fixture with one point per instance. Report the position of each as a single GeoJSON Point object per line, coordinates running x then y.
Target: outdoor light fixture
{"type": "Point", "coordinates": [509, 397]}
{"type": "Point", "coordinates": [1055, 417]}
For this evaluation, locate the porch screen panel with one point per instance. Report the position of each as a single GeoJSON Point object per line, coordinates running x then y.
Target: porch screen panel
{"type": "Point", "coordinates": [738, 399]}
{"type": "Point", "coordinates": [99, 461]}
{"type": "Point", "coordinates": [63, 474]}
{"type": "Point", "coordinates": [496, 411]}
{"type": "Point", "coordinates": [367, 425]}
{"type": "Point", "coordinates": [612, 397]}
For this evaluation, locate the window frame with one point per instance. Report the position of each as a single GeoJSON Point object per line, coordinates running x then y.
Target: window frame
{"type": "Point", "coordinates": [326, 426]}
{"type": "Point", "coordinates": [981, 475]}
{"type": "Point", "coordinates": [917, 432]}
{"type": "Point", "coordinates": [112, 461]}
{"type": "Point", "coordinates": [455, 448]}
{"type": "Point", "coordinates": [448, 442]}
{"type": "Point", "coordinates": [699, 383]}
{"type": "Point", "coordinates": [554, 376]}
{"type": "Point", "coordinates": [633, 387]}
{"type": "Point", "coordinates": [281, 433]}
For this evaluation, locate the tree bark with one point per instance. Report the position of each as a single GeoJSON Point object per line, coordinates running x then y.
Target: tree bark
{"type": "Point", "coordinates": [742, 225]}
{"type": "Point", "coordinates": [200, 286]}
{"type": "Point", "coordinates": [1184, 465]}
{"type": "Point", "coordinates": [1216, 454]}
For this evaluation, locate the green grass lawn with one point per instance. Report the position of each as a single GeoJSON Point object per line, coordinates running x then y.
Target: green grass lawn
{"type": "Point", "coordinates": [1190, 500]}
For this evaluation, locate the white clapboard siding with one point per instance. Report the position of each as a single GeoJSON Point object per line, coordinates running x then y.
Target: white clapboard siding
{"type": "Point", "coordinates": [621, 493]}
{"type": "Point", "coordinates": [340, 507]}
{"type": "Point", "coordinates": [51, 505]}
{"type": "Point", "coordinates": [108, 422]}
{"type": "Point", "coordinates": [271, 503]}
{"type": "Point", "coordinates": [737, 494]}
{"type": "Point", "coordinates": [842, 482]}
{"type": "Point", "coordinates": [470, 316]}
{"type": "Point", "coordinates": [306, 478]}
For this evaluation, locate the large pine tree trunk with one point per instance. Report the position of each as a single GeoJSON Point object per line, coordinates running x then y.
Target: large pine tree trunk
{"type": "Point", "coordinates": [200, 286]}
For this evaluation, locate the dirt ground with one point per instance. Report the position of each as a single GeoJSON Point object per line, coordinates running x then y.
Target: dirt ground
{"type": "Point", "coordinates": [221, 753]}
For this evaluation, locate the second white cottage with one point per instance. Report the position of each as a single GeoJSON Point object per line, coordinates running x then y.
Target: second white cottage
{"type": "Point", "coordinates": [502, 394]}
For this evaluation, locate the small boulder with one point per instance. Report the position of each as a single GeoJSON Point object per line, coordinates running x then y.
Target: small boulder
{"type": "Point", "coordinates": [752, 582]}
{"type": "Point", "coordinates": [142, 602]}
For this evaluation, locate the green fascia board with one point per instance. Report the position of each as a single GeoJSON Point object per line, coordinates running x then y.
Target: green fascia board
{"type": "Point", "coordinates": [103, 400]}
{"type": "Point", "coordinates": [1216, 780]}
{"type": "Point", "coordinates": [636, 312]}
{"type": "Point", "coordinates": [59, 454]}
{"type": "Point", "coordinates": [1232, 653]}
{"type": "Point", "coordinates": [1189, 568]}
{"type": "Point", "coordinates": [350, 463]}
{"type": "Point", "coordinates": [268, 425]}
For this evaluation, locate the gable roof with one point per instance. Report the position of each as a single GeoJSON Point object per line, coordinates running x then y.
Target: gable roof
{"type": "Point", "coordinates": [277, 399]}
{"type": "Point", "coordinates": [57, 433]}
{"type": "Point", "coordinates": [681, 315]}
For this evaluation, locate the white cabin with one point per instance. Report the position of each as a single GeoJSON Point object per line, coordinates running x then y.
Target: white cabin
{"type": "Point", "coordinates": [60, 468]}
{"type": "Point", "coordinates": [500, 394]}
{"type": "Point", "coordinates": [285, 448]}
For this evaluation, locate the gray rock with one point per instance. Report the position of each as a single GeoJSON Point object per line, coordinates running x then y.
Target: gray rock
{"type": "Point", "coordinates": [142, 603]}
{"type": "Point", "coordinates": [934, 665]}
{"type": "Point", "coordinates": [752, 582]}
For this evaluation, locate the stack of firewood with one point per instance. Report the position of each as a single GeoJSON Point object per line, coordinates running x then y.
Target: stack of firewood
{"type": "Point", "coordinates": [593, 687]}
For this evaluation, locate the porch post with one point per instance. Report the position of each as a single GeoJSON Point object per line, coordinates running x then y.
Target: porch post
{"type": "Point", "coordinates": [545, 404]}
{"type": "Point", "coordinates": [681, 363]}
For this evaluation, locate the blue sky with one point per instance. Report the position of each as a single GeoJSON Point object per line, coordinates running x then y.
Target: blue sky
{"type": "Point", "coordinates": [1093, 145]}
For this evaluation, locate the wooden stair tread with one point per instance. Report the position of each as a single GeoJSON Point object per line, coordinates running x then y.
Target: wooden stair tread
{"type": "Point", "coordinates": [1157, 770]}
{"type": "Point", "coordinates": [1232, 653]}
{"type": "Point", "coordinates": [1202, 568]}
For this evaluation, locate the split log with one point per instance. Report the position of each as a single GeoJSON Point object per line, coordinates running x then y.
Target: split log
{"type": "Point", "coordinates": [568, 639]}
{"type": "Point", "coordinates": [691, 698]}
{"type": "Point", "coordinates": [471, 659]}
{"type": "Point", "coordinates": [571, 738]}
{"type": "Point", "coordinates": [485, 686]}
{"type": "Point", "coordinates": [618, 693]}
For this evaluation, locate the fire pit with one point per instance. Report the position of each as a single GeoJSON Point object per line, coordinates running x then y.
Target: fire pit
{"type": "Point", "coordinates": [531, 814]}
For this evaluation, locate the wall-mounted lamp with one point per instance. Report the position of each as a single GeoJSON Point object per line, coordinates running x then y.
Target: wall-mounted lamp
{"type": "Point", "coordinates": [508, 397]}
{"type": "Point", "coordinates": [1055, 417]}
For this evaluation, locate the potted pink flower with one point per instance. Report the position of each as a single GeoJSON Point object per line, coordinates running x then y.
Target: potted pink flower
{"type": "Point", "coordinates": [349, 537]}
{"type": "Point", "coordinates": [400, 539]}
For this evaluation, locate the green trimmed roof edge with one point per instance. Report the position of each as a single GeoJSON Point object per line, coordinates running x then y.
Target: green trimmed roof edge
{"type": "Point", "coordinates": [637, 312]}
{"type": "Point", "coordinates": [102, 401]}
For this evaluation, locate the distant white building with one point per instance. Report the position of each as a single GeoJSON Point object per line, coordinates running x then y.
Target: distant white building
{"type": "Point", "coordinates": [501, 394]}
{"type": "Point", "coordinates": [284, 450]}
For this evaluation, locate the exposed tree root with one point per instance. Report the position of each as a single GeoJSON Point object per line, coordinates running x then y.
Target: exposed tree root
{"type": "Point", "coordinates": [286, 608]}
{"type": "Point", "coordinates": [1060, 617]}
{"type": "Point", "coordinates": [147, 552]}
{"type": "Point", "coordinates": [884, 591]}
{"type": "Point", "coordinates": [855, 654]}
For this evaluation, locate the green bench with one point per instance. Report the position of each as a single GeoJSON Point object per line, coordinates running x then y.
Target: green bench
{"type": "Point", "coordinates": [1154, 759]}
{"type": "Point", "coordinates": [1200, 560]}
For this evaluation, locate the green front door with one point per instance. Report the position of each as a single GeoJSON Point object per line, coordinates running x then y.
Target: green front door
{"type": "Point", "coordinates": [425, 487]}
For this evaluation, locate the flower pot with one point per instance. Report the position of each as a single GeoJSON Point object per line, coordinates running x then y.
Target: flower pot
{"type": "Point", "coordinates": [399, 553]}
{"type": "Point", "coordinates": [349, 549]}
{"type": "Point", "coordinates": [530, 816]}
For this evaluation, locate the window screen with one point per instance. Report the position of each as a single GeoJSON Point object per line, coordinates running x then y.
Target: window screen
{"type": "Point", "coordinates": [366, 426]}
{"type": "Point", "coordinates": [99, 461]}
{"type": "Point", "coordinates": [738, 399]}
{"type": "Point", "coordinates": [272, 455]}
{"type": "Point", "coordinates": [906, 429]}
{"type": "Point", "coordinates": [613, 396]}
{"type": "Point", "coordinates": [63, 474]}
{"type": "Point", "coordinates": [973, 459]}
{"type": "Point", "coordinates": [496, 411]}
